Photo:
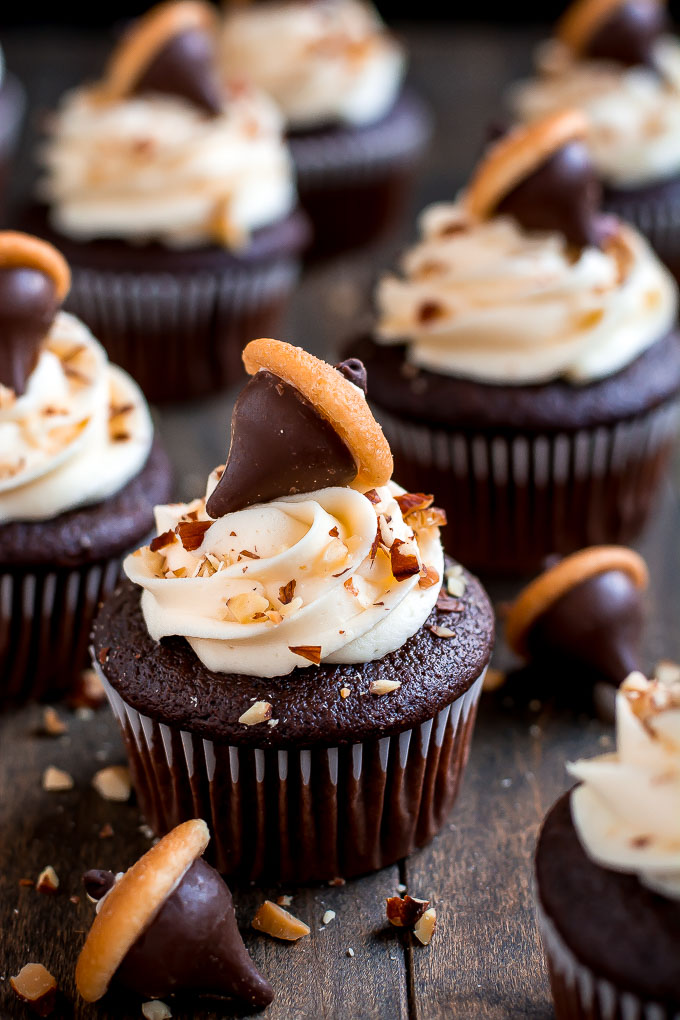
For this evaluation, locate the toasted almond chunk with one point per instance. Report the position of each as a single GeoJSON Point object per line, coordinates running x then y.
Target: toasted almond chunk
{"type": "Point", "coordinates": [156, 1010]}
{"type": "Point", "coordinates": [284, 901]}
{"type": "Point", "coordinates": [328, 917]}
{"type": "Point", "coordinates": [345, 692]}
{"type": "Point", "coordinates": [246, 605]}
{"type": "Point", "coordinates": [55, 779]}
{"type": "Point", "coordinates": [404, 913]}
{"type": "Point", "coordinates": [257, 713]}
{"type": "Point", "coordinates": [113, 783]}
{"type": "Point", "coordinates": [274, 920]}
{"type": "Point", "coordinates": [310, 652]}
{"type": "Point", "coordinates": [384, 686]}
{"type": "Point", "coordinates": [428, 577]}
{"type": "Point", "coordinates": [35, 986]}
{"type": "Point", "coordinates": [442, 632]}
{"type": "Point", "coordinates": [424, 927]}
{"type": "Point", "coordinates": [48, 880]}
{"type": "Point", "coordinates": [53, 724]}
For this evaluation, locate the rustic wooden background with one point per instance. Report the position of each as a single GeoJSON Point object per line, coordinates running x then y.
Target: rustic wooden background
{"type": "Point", "coordinates": [484, 961]}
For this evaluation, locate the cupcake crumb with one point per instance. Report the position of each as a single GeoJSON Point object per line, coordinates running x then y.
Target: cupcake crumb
{"type": "Point", "coordinates": [53, 724]}
{"type": "Point", "coordinates": [113, 783]}
{"type": "Point", "coordinates": [55, 780]}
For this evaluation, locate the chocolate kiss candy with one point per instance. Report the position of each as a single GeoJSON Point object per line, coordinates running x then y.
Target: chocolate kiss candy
{"type": "Point", "coordinates": [184, 67]}
{"type": "Point", "coordinates": [280, 445]}
{"type": "Point", "coordinates": [193, 943]}
{"type": "Point", "coordinates": [629, 33]}
{"type": "Point", "coordinates": [562, 194]}
{"type": "Point", "coordinates": [354, 371]}
{"type": "Point", "coordinates": [97, 883]}
{"type": "Point", "coordinates": [28, 304]}
{"type": "Point", "coordinates": [597, 624]}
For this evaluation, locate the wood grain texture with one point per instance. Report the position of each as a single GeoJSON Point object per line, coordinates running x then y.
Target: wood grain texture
{"type": "Point", "coordinates": [484, 961]}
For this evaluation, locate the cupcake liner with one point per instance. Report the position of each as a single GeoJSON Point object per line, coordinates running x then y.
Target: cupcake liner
{"type": "Point", "coordinates": [514, 498]}
{"type": "Point", "coordinates": [658, 218]}
{"type": "Point", "coordinates": [579, 994]}
{"type": "Point", "coordinates": [45, 620]}
{"type": "Point", "coordinates": [181, 335]}
{"type": "Point", "coordinates": [302, 814]}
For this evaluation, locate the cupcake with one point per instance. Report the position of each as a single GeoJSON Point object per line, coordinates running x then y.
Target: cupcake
{"type": "Point", "coordinates": [525, 365]}
{"type": "Point", "coordinates": [175, 205]}
{"type": "Point", "coordinates": [337, 75]}
{"type": "Point", "coordinates": [79, 474]}
{"type": "Point", "coordinates": [608, 869]}
{"type": "Point", "coordinates": [12, 102]}
{"type": "Point", "coordinates": [617, 61]}
{"type": "Point", "coordinates": [282, 659]}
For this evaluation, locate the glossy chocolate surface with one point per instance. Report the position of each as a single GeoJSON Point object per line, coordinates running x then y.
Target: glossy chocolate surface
{"type": "Point", "coordinates": [563, 194]}
{"type": "Point", "coordinates": [354, 371]}
{"type": "Point", "coordinates": [280, 445]}
{"type": "Point", "coordinates": [628, 35]}
{"type": "Point", "coordinates": [184, 67]}
{"type": "Point", "coordinates": [597, 625]}
{"type": "Point", "coordinates": [28, 304]}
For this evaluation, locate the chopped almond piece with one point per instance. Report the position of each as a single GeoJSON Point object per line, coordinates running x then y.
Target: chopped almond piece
{"type": "Point", "coordinates": [372, 496]}
{"type": "Point", "coordinates": [448, 604]}
{"type": "Point", "coordinates": [404, 913]}
{"type": "Point", "coordinates": [428, 577]}
{"type": "Point", "coordinates": [113, 783]}
{"type": "Point", "coordinates": [191, 533]}
{"type": "Point", "coordinates": [403, 559]}
{"type": "Point", "coordinates": [345, 692]}
{"type": "Point", "coordinates": [384, 686]}
{"type": "Point", "coordinates": [161, 541]}
{"type": "Point", "coordinates": [257, 713]}
{"type": "Point", "coordinates": [424, 927]}
{"type": "Point", "coordinates": [35, 986]}
{"type": "Point", "coordinates": [48, 880]}
{"type": "Point", "coordinates": [55, 779]}
{"type": "Point", "coordinates": [53, 724]}
{"type": "Point", "coordinates": [246, 606]}
{"type": "Point", "coordinates": [284, 901]}
{"type": "Point", "coordinates": [349, 585]}
{"type": "Point", "coordinates": [156, 1010]}
{"type": "Point", "coordinates": [435, 517]}
{"type": "Point", "coordinates": [287, 592]}
{"type": "Point", "coordinates": [275, 921]}
{"type": "Point", "coordinates": [328, 917]}
{"type": "Point", "coordinates": [442, 632]}
{"type": "Point", "coordinates": [310, 652]}
{"type": "Point", "coordinates": [410, 501]}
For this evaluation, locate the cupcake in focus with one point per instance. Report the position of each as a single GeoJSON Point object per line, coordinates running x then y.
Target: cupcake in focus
{"type": "Point", "coordinates": [283, 658]}
{"type": "Point", "coordinates": [608, 868]}
{"type": "Point", "coordinates": [175, 204]}
{"type": "Point", "coordinates": [337, 75]}
{"type": "Point", "coordinates": [12, 103]}
{"type": "Point", "coordinates": [525, 365]}
{"type": "Point", "coordinates": [618, 62]}
{"type": "Point", "coordinates": [79, 474]}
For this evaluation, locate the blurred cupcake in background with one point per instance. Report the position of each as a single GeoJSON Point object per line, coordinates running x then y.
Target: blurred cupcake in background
{"type": "Point", "coordinates": [12, 103]}
{"type": "Point", "coordinates": [525, 364]}
{"type": "Point", "coordinates": [618, 61]}
{"type": "Point", "coordinates": [337, 75]}
{"type": "Point", "coordinates": [175, 204]}
{"type": "Point", "coordinates": [79, 474]}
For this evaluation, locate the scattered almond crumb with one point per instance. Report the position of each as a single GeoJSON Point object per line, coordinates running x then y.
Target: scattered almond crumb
{"type": "Point", "coordinates": [113, 783]}
{"type": "Point", "coordinates": [88, 691]}
{"type": "Point", "coordinates": [335, 882]}
{"type": "Point", "coordinates": [284, 901]}
{"type": "Point", "coordinates": [156, 1010]}
{"type": "Point", "coordinates": [424, 928]}
{"type": "Point", "coordinates": [384, 686]}
{"type": "Point", "coordinates": [53, 724]}
{"type": "Point", "coordinates": [345, 692]}
{"type": "Point", "coordinates": [328, 917]}
{"type": "Point", "coordinates": [55, 779]}
{"type": "Point", "coordinates": [350, 952]}
{"type": "Point", "coordinates": [260, 712]}
{"type": "Point", "coordinates": [275, 921]}
{"type": "Point", "coordinates": [493, 679]}
{"type": "Point", "coordinates": [35, 986]}
{"type": "Point", "coordinates": [48, 880]}
{"type": "Point", "coordinates": [404, 913]}
{"type": "Point", "coordinates": [442, 632]}
{"type": "Point", "coordinates": [106, 831]}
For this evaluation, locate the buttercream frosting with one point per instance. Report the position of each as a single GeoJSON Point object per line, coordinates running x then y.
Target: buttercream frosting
{"type": "Point", "coordinates": [493, 302]}
{"type": "Point", "coordinates": [626, 809]}
{"type": "Point", "coordinates": [76, 436]}
{"type": "Point", "coordinates": [330, 61]}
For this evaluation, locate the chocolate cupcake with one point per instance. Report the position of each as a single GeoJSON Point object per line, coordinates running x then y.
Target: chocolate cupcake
{"type": "Point", "coordinates": [79, 474]}
{"type": "Point", "coordinates": [175, 205]}
{"type": "Point", "coordinates": [608, 869]}
{"type": "Point", "coordinates": [355, 134]}
{"type": "Point", "coordinates": [526, 366]}
{"type": "Point", "coordinates": [618, 62]}
{"type": "Point", "coordinates": [12, 103]}
{"type": "Point", "coordinates": [292, 670]}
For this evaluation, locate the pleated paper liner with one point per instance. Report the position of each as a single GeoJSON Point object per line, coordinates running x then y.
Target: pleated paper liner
{"type": "Point", "coordinates": [302, 815]}
{"type": "Point", "coordinates": [579, 994]}
{"type": "Point", "coordinates": [513, 498]}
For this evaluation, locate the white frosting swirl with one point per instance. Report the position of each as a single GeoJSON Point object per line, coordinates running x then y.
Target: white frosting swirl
{"type": "Point", "coordinates": [155, 167]}
{"type": "Point", "coordinates": [634, 112]}
{"type": "Point", "coordinates": [627, 809]}
{"type": "Point", "coordinates": [77, 435]}
{"type": "Point", "coordinates": [492, 302]}
{"type": "Point", "coordinates": [322, 62]}
{"type": "Point", "coordinates": [299, 572]}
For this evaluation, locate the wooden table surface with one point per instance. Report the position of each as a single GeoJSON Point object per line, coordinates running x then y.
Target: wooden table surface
{"type": "Point", "coordinates": [485, 960]}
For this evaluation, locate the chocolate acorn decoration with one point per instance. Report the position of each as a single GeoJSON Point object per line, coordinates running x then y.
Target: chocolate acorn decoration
{"type": "Point", "coordinates": [170, 50]}
{"type": "Point", "coordinates": [188, 939]}
{"type": "Point", "coordinates": [622, 31]}
{"type": "Point", "coordinates": [298, 425]}
{"type": "Point", "coordinates": [586, 610]}
{"type": "Point", "coordinates": [542, 175]}
{"type": "Point", "coordinates": [34, 280]}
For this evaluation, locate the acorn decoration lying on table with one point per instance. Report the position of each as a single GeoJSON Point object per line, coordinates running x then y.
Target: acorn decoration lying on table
{"type": "Point", "coordinates": [585, 610]}
{"type": "Point", "coordinates": [168, 924]}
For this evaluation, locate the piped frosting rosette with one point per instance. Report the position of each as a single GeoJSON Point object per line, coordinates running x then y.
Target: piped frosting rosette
{"type": "Point", "coordinates": [627, 807]}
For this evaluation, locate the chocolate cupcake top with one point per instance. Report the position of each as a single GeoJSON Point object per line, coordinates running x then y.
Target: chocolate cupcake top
{"type": "Point", "coordinates": [302, 551]}
{"type": "Point", "coordinates": [616, 61]}
{"type": "Point", "coordinates": [74, 430]}
{"type": "Point", "coordinates": [323, 62]}
{"type": "Point", "coordinates": [626, 809]}
{"type": "Point", "coordinates": [522, 279]}
{"type": "Point", "coordinates": [159, 151]}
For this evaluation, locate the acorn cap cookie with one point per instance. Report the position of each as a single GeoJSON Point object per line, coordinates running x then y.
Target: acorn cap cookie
{"type": "Point", "coordinates": [299, 425]}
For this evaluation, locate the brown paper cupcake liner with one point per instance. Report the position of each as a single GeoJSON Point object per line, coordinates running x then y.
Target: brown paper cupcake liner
{"type": "Point", "coordinates": [302, 814]}
{"type": "Point", "coordinates": [512, 498]}
{"type": "Point", "coordinates": [579, 994]}
{"type": "Point", "coordinates": [181, 335]}
{"type": "Point", "coordinates": [45, 621]}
